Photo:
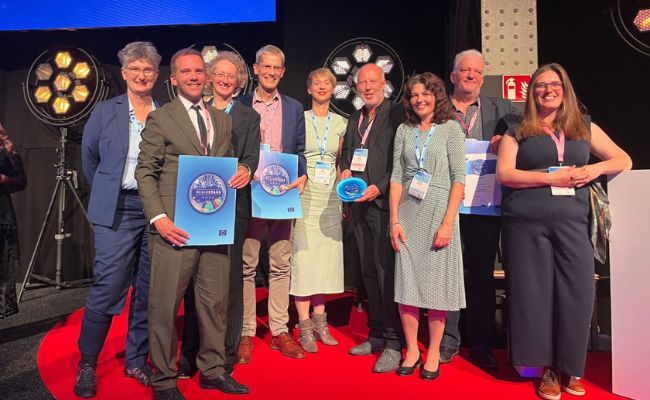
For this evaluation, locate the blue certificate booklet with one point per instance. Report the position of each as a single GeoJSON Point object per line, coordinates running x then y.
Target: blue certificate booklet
{"type": "Point", "coordinates": [205, 204]}
{"type": "Point", "coordinates": [482, 191]}
{"type": "Point", "coordinates": [269, 197]}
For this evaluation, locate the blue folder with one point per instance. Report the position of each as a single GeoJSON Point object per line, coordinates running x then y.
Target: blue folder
{"type": "Point", "coordinates": [269, 198]}
{"type": "Point", "coordinates": [205, 204]}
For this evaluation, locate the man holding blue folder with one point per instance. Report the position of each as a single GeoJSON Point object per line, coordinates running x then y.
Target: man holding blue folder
{"type": "Point", "coordinates": [282, 128]}
{"type": "Point", "coordinates": [186, 126]}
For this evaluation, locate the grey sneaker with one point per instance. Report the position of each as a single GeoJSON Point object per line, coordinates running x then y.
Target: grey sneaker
{"type": "Point", "coordinates": [388, 361]}
{"type": "Point", "coordinates": [141, 374]}
{"type": "Point", "coordinates": [372, 345]}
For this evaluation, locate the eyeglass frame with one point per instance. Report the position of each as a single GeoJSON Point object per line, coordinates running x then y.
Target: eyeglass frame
{"type": "Point", "coordinates": [135, 71]}
{"type": "Point", "coordinates": [542, 86]}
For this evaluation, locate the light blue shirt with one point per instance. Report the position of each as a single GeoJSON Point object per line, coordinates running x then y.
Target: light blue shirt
{"type": "Point", "coordinates": [135, 132]}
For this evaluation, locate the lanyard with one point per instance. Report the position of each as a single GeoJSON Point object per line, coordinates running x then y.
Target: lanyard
{"type": "Point", "coordinates": [227, 110]}
{"type": "Point", "coordinates": [137, 125]}
{"type": "Point", "coordinates": [472, 121]}
{"type": "Point", "coordinates": [323, 145]}
{"type": "Point", "coordinates": [364, 137]}
{"type": "Point", "coordinates": [421, 155]}
{"type": "Point", "coordinates": [559, 143]}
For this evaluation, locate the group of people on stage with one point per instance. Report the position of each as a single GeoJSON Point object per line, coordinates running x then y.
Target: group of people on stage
{"type": "Point", "coordinates": [413, 247]}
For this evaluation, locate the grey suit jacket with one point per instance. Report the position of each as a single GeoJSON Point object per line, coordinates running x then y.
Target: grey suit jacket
{"type": "Point", "coordinates": [168, 134]}
{"type": "Point", "coordinates": [498, 116]}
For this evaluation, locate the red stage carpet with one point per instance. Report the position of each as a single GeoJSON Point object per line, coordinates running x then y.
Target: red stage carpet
{"type": "Point", "coordinates": [329, 374]}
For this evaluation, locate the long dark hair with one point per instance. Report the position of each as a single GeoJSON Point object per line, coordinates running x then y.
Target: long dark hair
{"type": "Point", "coordinates": [442, 112]}
{"type": "Point", "coordinates": [569, 116]}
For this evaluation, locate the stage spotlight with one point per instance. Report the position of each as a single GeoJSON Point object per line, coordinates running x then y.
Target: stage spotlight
{"type": "Point", "coordinates": [44, 71]}
{"type": "Point", "coordinates": [42, 94]}
{"type": "Point", "coordinates": [340, 66]}
{"type": "Point", "coordinates": [63, 59]}
{"type": "Point", "coordinates": [63, 85]}
{"type": "Point", "coordinates": [631, 20]}
{"type": "Point", "coordinates": [346, 59]}
{"type": "Point", "coordinates": [62, 97]}
{"type": "Point", "coordinates": [62, 82]}
{"type": "Point", "coordinates": [642, 20]}
{"type": "Point", "coordinates": [362, 53]}
{"type": "Point", "coordinates": [209, 53]}
{"type": "Point", "coordinates": [341, 90]}
{"type": "Point", "coordinates": [80, 93]}
{"type": "Point", "coordinates": [81, 70]}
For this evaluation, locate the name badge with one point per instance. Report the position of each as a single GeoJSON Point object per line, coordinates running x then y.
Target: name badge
{"type": "Point", "coordinates": [323, 172]}
{"type": "Point", "coordinates": [359, 160]}
{"type": "Point", "coordinates": [419, 185]}
{"type": "Point", "coordinates": [558, 190]}
{"type": "Point", "coordinates": [265, 147]}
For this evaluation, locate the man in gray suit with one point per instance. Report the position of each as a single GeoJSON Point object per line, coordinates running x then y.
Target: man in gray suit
{"type": "Point", "coordinates": [184, 126]}
{"type": "Point", "coordinates": [482, 118]}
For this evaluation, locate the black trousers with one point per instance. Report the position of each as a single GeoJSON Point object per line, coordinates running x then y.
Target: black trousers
{"type": "Point", "coordinates": [234, 320]}
{"type": "Point", "coordinates": [377, 261]}
{"type": "Point", "coordinates": [480, 237]}
{"type": "Point", "coordinates": [550, 288]}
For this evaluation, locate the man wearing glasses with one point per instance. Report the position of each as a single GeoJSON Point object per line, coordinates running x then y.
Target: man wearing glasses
{"type": "Point", "coordinates": [482, 118]}
{"type": "Point", "coordinates": [282, 128]}
{"type": "Point", "coordinates": [371, 130]}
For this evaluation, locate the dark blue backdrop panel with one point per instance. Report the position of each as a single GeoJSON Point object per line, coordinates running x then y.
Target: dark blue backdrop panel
{"type": "Point", "coordinates": [77, 14]}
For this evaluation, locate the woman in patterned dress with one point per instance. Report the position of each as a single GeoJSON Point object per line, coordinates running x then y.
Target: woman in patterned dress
{"type": "Point", "coordinates": [426, 189]}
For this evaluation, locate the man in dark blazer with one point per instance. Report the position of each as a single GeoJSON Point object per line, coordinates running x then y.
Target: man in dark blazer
{"type": "Point", "coordinates": [373, 128]}
{"type": "Point", "coordinates": [109, 154]}
{"type": "Point", "coordinates": [227, 74]}
{"type": "Point", "coordinates": [186, 126]}
{"type": "Point", "coordinates": [482, 118]}
{"type": "Point", "coordinates": [282, 128]}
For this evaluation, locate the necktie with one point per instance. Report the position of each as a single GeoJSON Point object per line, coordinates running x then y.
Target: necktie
{"type": "Point", "coordinates": [203, 131]}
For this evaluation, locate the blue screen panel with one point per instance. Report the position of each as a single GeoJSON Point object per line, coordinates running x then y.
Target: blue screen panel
{"type": "Point", "coordinates": [79, 14]}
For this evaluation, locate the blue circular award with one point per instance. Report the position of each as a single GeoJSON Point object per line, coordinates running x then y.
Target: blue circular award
{"type": "Point", "coordinates": [351, 189]}
{"type": "Point", "coordinates": [273, 179]}
{"type": "Point", "coordinates": [207, 193]}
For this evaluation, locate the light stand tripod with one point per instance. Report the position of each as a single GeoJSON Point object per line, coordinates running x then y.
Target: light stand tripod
{"type": "Point", "coordinates": [64, 177]}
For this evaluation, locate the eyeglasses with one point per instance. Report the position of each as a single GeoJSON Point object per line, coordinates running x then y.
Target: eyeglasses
{"type": "Point", "coordinates": [135, 71]}
{"type": "Point", "coordinates": [274, 68]}
{"type": "Point", "coordinates": [555, 85]}
{"type": "Point", "coordinates": [221, 75]}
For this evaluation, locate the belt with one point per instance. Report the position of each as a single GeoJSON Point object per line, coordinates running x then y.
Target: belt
{"type": "Point", "coordinates": [130, 192]}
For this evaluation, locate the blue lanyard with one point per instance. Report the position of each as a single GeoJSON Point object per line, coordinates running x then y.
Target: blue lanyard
{"type": "Point", "coordinates": [139, 126]}
{"type": "Point", "coordinates": [323, 145]}
{"type": "Point", "coordinates": [420, 155]}
{"type": "Point", "coordinates": [227, 110]}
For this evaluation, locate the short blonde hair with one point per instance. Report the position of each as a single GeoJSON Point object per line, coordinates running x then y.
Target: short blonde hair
{"type": "Point", "coordinates": [325, 72]}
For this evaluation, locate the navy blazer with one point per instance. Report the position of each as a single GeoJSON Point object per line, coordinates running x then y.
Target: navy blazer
{"type": "Point", "coordinates": [293, 128]}
{"type": "Point", "coordinates": [104, 148]}
{"type": "Point", "coordinates": [246, 146]}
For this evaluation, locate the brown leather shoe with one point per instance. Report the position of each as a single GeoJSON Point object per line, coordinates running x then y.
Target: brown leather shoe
{"type": "Point", "coordinates": [245, 352]}
{"type": "Point", "coordinates": [572, 385]}
{"type": "Point", "coordinates": [549, 387]}
{"type": "Point", "coordinates": [287, 346]}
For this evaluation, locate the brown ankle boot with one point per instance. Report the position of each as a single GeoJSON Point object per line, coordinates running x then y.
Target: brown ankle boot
{"type": "Point", "coordinates": [307, 339]}
{"type": "Point", "coordinates": [321, 330]}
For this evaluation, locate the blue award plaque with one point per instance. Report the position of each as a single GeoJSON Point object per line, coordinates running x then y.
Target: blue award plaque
{"type": "Point", "coordinates": [270, 198]}
{"type": "Point", "coordinates": [351, 189]}
{"type": "Point", "coordinates": [482, 191]}
{"type": "Point", "coordinates": [205, 204]}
